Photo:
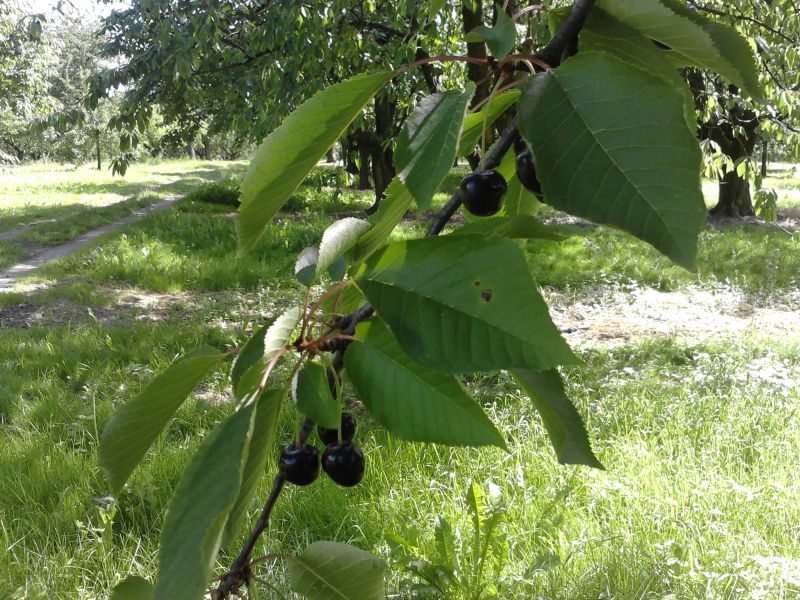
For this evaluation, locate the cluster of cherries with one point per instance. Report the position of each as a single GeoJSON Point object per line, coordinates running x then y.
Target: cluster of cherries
{"type": "Point", "coordinates": [483, 192]}
{"type": "Point", "coordinates": [342, 460]}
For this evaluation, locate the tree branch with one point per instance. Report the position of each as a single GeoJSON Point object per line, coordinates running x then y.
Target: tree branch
{"type": "Point", "coordinates": [565, 36]}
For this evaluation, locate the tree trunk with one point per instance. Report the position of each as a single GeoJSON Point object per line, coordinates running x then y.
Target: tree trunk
{"type": "Point", "coordinates": [97, 150]}
{"type": "Point", "coordinates": [764, 158]}
{"type": "Point", "coordinates": [364, 147]}
{"type": "Point", "coordinates": [207, 147]}
{"type": "Point", "coordinates": [190, 151]}
{"type": "Point", "coordinates": [734, 197]}
{"type": "Point", "coordinates": [382, 155]}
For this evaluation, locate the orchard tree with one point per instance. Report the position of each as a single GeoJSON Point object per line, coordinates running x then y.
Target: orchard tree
{"type": "Point", "coordinates": [601, 126]}
{"type": "Point", "coordinates": [732, 120]}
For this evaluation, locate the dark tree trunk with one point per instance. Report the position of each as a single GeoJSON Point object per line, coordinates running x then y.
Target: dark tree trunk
{"type": "Point", "coordinates": [207, 147]}
{"type": "Point", "coordinates": [97, 150]}
{"type": "Point", "coordinates": [382, 155]}
{"type": "Point", "coordinates": [364, 151]}
{"type": "Point", "coordinates": [329, 156]}
{"type": "Point", "coordinates": [349, 151]}
{"type": "Point", "coordinates": [477, 74]}
{"type": "Point", "coordinates": [764, 158]}
{"type": "Point", "coordinates": [734, 197]}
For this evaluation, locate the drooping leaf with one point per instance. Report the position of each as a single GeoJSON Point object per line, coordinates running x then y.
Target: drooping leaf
{"type": "Point", "coordinates": [337, 241]}
{"type": "Point", "coordinates": [197, 514]}
{"type": "Point", "coordinates": [312, 395]}
{"type": "Point", "coordinates": [603, 32]}
{"type": "Point", "coordinates": [135, 425]}
{"type": "Point", "coordinates": [250, 354]}
{"type": "Point", "coordinates": [516, 227]}
{"type": "Point", "coordinates": [693, 40]}
{"type": "Point", "coordinates": [391, 209]}
{"type": "Point", "coordinates": [611, 145]}
{"type": "Point", "coordinates": [475, 122]}
{"type": "Point", "coordinates": [305, 268]}
{"type": "Point", "coordinates": [428, 143]}
{"type": "Point", "coordinates": [290, 152]}
{"type": "Point", "coordinates": [412, 401]}
{"type": "Point", "coordinates": [265, 422]}
{"type": "Point", "coordinates": [562, 421]}
{"type": "Point", "coordinates": [739, 61]}
{"type": "Point", "coordinates": [132, 588]}
{"type": "Point", "coordinates": [463, 303]}
{"type": "Point", "coordinates": [332, 570]}
{"type": "Point", "coordinates": [500, 39]}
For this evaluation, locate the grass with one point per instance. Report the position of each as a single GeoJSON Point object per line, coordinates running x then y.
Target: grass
{"type": "Point", "coordinates": [700, 498]}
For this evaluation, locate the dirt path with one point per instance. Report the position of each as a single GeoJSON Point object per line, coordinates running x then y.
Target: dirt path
{"type": "Point", "coordinates": [10, 275]}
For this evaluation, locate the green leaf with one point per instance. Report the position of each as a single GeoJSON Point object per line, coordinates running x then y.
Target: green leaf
{"type": "Point", "coordinates": [290, 152]}
{"type": "Point", "coordinates": [611, 145]}
{"type": "Point", "coordinates": [603, 32]}
{"type": "Point", "coordinates": [197, 514]}
{"type": "Point", "coordinates": [463, 303]}
{"type": "Point", "coordinates": [693, 40]}
{"type": "Point", "coordinates": [265, 423]}
{"type": "Point", "coordinates": [305, 268]}
{"type": "Point", "coordinates": [412, 401]}
{"type": "Point", "coordinates": [390, 210]}
{"type": "Point", "coordinates": [250, 354]}
{"type": "Point", "coordinates": [135, 425]}
{"type": "Point", "coordinates": [475, 122]}
{"type": "Point", "coordinates": [562, 421]}
{"type": "Point", "coordinates": [331, 570]}
{"type": "Point", "coordinates": [345, 301]}
{"type": "Point", "coordinates": [739, 64]}
{"type": "Point", "coordinates": [516, 227]}
{"type": "Point", "coordinates": [338, 240]}
{"type": "Point", "coordinates": [312, 395]}
{"type": "Point", "coordinates": [132, 588]}
{"type": "Point", "coordinates": [501, 38]}
{"type": "Point", "coordinates": [428, 143]}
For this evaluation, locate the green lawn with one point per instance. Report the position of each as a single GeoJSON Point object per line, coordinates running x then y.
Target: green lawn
{"type": "Point", "coordinates": [700, 497]}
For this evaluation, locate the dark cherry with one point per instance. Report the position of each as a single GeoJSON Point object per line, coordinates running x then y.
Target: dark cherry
{"type": "Point", "coordinates": [526, 172]}
{"type": "Point", "coordinates": [330, 436]}
{"type": "Point", "coordinates": [344, 463]}
{"type": "Point", "coordinates": [299, 464]}
{"type": "Point", "coordinates": [482, 193]}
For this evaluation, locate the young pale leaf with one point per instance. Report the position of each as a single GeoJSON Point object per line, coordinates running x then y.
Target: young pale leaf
{"type": "Point", "coordinates": [312, 395]}
{"type": "Point", "coordinates": [612, 146]}
{"type": "Point", "coordinates": [197, 514]}
{"type": "Point", "coordinates": [516, 227]}
{"type": "Point", "coordinates": [328, 570]}
{"type": "Point", "coordinates": [250, 354]}
{"type": "Point", "coordinates": [132, 588]}
{"type": "Point", "coordinates": [428, 143]}
{"type": "Point", "coordinates": [562, 421]}
{"type": "Point", "coordinates": [391, 209]}
{"type": "Point", "coordinates": [739, 63]}
{"type": "Point", "coordinates": [463, 303]}
{"type": "Point", "coordinates": [337, 241]}
{"type": "Point", "coordinates": [265, 422]}
{"type": "Point", "coordinates": [305, 269]}
{"type": "Point", "coordinates": [411, 401]}
{"type": "Point", "coordinates": [475, 122]}
{"type": "Point", "coordinates": [290, 152]}
{"type": "Point", "coordinates": [280, 331]}
{"type": "Point", "coordinates": [135, 425]}
{"type": "Point", "coordinates": [501, 38]}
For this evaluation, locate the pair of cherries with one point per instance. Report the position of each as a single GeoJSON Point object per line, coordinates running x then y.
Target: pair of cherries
{"type": "Point", "coordinates": [342, 461]}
